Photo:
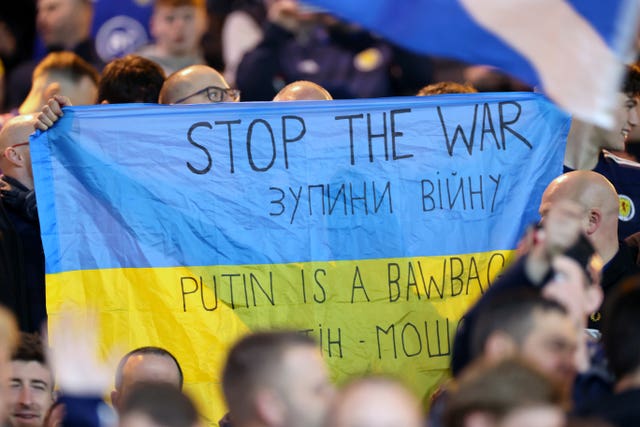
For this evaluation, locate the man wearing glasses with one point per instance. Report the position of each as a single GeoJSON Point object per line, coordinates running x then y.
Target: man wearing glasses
{"type": "Point", "coordinates": [197, 84]}
{"type": "Point", "coordinates": [21, 254]}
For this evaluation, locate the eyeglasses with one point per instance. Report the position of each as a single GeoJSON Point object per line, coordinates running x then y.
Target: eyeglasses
{"type": "Point", "coordinates": [18, 145]}
{"type": "Point", "coordinates": [215, 94]}
{"type": "Point", "coordinates": [14, 146]}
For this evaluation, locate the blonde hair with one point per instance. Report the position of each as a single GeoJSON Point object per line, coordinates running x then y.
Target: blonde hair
{"type": "Point", "coordinates": [446, 87]}
{"type": "Point", "coordinates": [67, 64]}
{"type": "Point", "coordinates": [200, 4]}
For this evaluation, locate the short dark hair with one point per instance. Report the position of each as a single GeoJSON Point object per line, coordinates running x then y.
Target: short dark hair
{"type": "Point", "coordinates": [446, 87]}
{"type": "Point", "coordinates": [30, 349]}
{"type": "Point", "coordinates": [632, 80]}
{"type": "Point", "coordinates": [163, 403]}
{"type": "Point", "coordinates": [254, 361]}
{"type": "Point", "coordinates": [158, 351]}
{"type": "Point", "coordinates": [498, 389]}
{"type": "Point", "coordinates": [130, 79]}
{"type": "Point", "coordinates": [511, 312]}
{"type": "Point", "coordinates": [620, 331]}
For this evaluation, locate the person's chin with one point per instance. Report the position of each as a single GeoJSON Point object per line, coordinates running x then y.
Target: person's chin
{"type": "Point", "coordinates": [25, 421]}
{"type": "Point", "coordinates": [618, 148]}
{"type": "Point", "coordinates": [615, 144]}
{"type": "Point", "coordinates": [179, 51]}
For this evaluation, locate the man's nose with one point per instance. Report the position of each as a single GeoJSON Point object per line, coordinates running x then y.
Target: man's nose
{"type": "Point", "coordinates": [26, 397]}
{"type": "Point", "coordinates": [632, 118]}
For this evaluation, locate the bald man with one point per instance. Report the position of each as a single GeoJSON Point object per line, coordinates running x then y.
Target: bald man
{"type": "Point", "coordinates": [145, 365]}
{"type": "Point", "coordinates": [599, 202]}
{"type": "Point", "coordinates": [575, 203]}
{"type": "Point", "coordinates": [590, 201]}
{"type": "Point", "coordinates": [197, 84]}
{"type": "Point", "coordinates": [303, 90]}
{"type": "Point", "coordinates": [15, 161]}
{"type": "Point", "coordinates": [21, 255]}
{"type": "Point", "coordinates": [375, 402]}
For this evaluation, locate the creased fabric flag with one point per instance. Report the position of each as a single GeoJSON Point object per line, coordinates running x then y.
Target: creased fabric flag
{"type": "Point", "coordinates": [369, 224]}
{"type": "Point", "coordinates": [572, 50]}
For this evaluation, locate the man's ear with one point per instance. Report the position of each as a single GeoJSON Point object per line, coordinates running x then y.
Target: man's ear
{"type": "Point", "coordinates": [52, 88]}
{"type": "Point", "coordinates": [594, 220]}
{"type": "Point", "coordinates": [269, 408]}
{"type": "Point", "coordinates": [499, 345]}
{"type": "Point", "coordinates": [479, 419]}
{"type": "Point", "coordinates": [594, 295]}
{"type": "Point", "coordinates": [13, 156]}
{"type": "Point", "coordinates": [115, 399]}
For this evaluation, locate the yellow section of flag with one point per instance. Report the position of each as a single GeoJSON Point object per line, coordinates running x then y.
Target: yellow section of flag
{"type": "Point", "coordinates": [396, 316]}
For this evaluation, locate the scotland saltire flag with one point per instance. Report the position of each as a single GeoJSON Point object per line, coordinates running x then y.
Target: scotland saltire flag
{"type": "Point", "coordinates": [572, 50]}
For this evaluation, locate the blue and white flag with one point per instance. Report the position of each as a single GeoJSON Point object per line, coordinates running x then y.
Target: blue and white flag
{"type": "Point", "coordinates": [573, 50]}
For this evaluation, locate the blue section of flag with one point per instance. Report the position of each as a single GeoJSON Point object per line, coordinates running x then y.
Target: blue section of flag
{"type": "Point", "coordinates": [444, 28]}
{"type": "Point", "coordinates": [163, 186]}
{"type": "Point", "coordinates": [585, 56]}
{"type": "Point", "coordinates": [434, 27]}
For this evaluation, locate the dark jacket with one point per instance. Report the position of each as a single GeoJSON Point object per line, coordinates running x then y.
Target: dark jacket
{"type": "Point", "coordinates": [21, 256]}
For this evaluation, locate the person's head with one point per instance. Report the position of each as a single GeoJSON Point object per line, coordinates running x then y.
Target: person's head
{"type": "Point", "coordinates": [277, 379]}
{"type": "Point", "coordinates": [178, 26]}
{"type": "Point", "coordinates": [303, 90]}
{"type": "Point", "coordinates": [158, 405]}
{"type": "Point", "coordinates": [446, 87]}
{"type": "Point", "coordinates": [525, 324]}
{"type": "Point", "coordinates": [375, 402]}
{"type": "Point", "coordinates": [509, 393]}
{"type": "Point", "coordinates": [145, 364]}
{"type": "Point", "coordinates": [599, 201]}
{"type": "Point", "coordinates": [9, 339]}
{"type": "Point", "coordinates": [197, 84]}
{"type": "Point", "coordinates": [576, 281]}
{"type": "Point", "coordinates": [61, 73]}
{"type": "Point", "coordinates": [628, 109]}
{"type": "Point", "coordinates": [15, 157]}
{"type": "Point", "coordinates": [626, 114]}
{"type": "Point", "coordinates": [31, 384]}
{"type": "Point", "coordinates": [130, 79]}
{"type": "Point", "coordinates": [64, 23]}
{"type": "Point", "coordinates": [620, 331]}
